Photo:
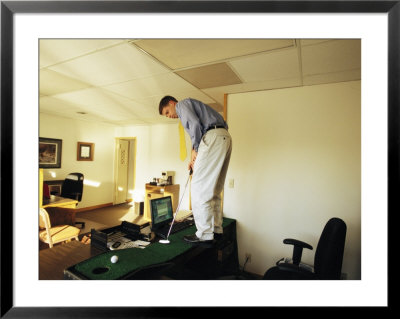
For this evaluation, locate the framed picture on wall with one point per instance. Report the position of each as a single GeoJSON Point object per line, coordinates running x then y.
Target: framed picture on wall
{"type": "Point", "coordinates": [50, 152]}
{"type": "Point", "coordinates": [85, 151]}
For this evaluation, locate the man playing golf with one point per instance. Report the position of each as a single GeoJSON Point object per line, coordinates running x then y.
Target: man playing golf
{"type": "Point", "coordinates": [211, 152]}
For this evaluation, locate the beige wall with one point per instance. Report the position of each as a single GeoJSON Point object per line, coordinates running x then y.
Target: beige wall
{"type": "Point", "coordinates": [99, 171]}
{"type": "Point", "coordinates": [296, 162]}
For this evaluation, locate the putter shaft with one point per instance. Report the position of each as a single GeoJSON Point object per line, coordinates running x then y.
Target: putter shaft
{"type": "Point", "coordinates": [179, 205]}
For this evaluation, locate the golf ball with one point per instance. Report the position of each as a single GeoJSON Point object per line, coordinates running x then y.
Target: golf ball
{"type": "Point", "coordinates": [114, 259]}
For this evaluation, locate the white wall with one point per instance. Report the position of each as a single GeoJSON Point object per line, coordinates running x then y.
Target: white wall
{"type": "Point", "coordinates": [296, 163]}
{"type": "Point", "coordinates": [157, 151]}
{"type": "Point", "coordinates": [100, 170]}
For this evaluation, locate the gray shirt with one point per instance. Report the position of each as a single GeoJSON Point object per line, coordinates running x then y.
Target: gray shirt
{"type": "Point", "coordinates": [196, 118]}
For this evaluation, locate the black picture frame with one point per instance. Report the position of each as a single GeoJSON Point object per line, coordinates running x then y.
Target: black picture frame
{"type": "Point", "coordinates": [50, 152]}
{"type": "Point", "coordinates": [9, 8]}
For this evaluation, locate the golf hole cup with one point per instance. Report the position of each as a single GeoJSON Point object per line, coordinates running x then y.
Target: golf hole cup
{"type": "Point", "coordinates": [114, 259]}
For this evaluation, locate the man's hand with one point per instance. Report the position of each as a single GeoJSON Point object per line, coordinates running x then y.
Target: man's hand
{"type": "Point", "coordinates": [191, 164]}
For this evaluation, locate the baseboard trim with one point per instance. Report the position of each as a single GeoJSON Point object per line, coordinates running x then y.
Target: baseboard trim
{"type": "Point", "coordinates": [84, 209]}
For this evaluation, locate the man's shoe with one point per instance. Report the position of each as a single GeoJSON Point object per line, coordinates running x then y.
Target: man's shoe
{"type": "Point", "coordinates": [218, 236]}
{"type": "Point", "coordinates": [194, 240]}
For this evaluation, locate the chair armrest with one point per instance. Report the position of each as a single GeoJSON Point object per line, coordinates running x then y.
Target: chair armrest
{"type": "Point", "coordinates": [298, 246]}
{"type": "Point", "coordinates": [295, 242]}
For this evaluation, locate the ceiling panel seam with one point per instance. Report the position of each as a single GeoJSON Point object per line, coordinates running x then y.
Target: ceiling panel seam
{"type": "Point", "coordinates": [83, 55]}
{"type": "Point", "coordinates": [300, 61]}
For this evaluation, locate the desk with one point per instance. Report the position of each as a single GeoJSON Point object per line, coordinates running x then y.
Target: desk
{"type": "Point", "coordinates": [61, 211]}
{"type": "Point", "coordinates": [57, 201]}
{"type": "Point", "coordinates": [179, 260]}
{"type": "Point", "coordinates": [53, 201]}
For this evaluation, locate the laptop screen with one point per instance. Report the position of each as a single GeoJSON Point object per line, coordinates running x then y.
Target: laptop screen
{"type": "Point", "coordinates": [161, 211]}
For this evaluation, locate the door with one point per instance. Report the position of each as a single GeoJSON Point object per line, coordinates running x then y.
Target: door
{"type": "Point", "coordinates": [121, 191]}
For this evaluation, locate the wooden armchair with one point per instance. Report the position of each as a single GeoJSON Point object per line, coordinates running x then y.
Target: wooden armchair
{"type": "Point", "coordinates": [57, 233]}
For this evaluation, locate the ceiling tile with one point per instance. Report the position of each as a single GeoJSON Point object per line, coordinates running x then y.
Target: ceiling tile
{"type": "Point", "coordinates": [161, 119]}
{"type": "Point", "coordinates": [52, 104]}
{"type": "Point", "coordinates": [158, 84]}
{"type": "Point", "coordinates": [53, 51]}
{"type": "Point", "coordinates": [116, 82]}
{"type": "Point", "coordinates": [182, 53]}
{"type": "Point", "coordinates": [93, 117]}
{"type": "Point", "coordinates": [112, 116]}
{"type": "Point", "coordinates": [140, 109]}
{"type": "Point", "coordinates": [52, 82]}
{"type": "Point", "coordinates": [331, 56]}
{"type": "Point", "coordinates": [116, 64]}
{"type": "Point", "coordinates": [214, 75]}
{"type": "Point", "coordinates": [268, 66]}
{"type": "Point", "coordinates": [91, 97]}
{"type": "Point", "coordinates": [343, 76]}
{"type": "Point", "coordinates": [99, 100]}
{"type": "Point", "coordinates": [129, 122]}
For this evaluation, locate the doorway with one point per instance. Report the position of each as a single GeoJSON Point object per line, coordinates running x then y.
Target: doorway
{"type": "Point", "coordinates": [124, 169]}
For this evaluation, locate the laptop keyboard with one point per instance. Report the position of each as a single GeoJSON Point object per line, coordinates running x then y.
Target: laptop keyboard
{"type": "Point", "coordinates": [175, 228]}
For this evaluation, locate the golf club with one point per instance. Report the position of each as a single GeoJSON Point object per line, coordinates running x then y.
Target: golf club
{"type": "Point", "coordinates": [166, 241]}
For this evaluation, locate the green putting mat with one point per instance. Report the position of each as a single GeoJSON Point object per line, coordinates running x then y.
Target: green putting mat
{"type": "Point", "coordinates": [130, 260]}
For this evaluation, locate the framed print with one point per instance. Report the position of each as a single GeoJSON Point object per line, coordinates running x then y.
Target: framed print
{"type": "Point", "coordinates": [85, 151]}
{"type": "Point", "coordinates": [50, 152]}
{"type": "Point", "coordinates": [55, 189]}
{"type": "Point", "coordinates": [117, 20]}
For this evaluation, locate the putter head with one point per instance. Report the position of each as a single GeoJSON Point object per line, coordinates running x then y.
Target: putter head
{"type": "Point", "coordinates": [164, 241]}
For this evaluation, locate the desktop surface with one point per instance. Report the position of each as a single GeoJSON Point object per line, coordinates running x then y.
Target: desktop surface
{"type": "Point", "coordinates": [132, 260]}
{"type": "Point", "coordinates": [57, 201]}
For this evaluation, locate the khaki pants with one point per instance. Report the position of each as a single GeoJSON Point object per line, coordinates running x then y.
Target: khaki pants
{"type": "Point", "coordinates": [208, 180]}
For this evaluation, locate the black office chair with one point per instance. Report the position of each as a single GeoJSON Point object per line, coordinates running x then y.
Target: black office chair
{"type": "Point", "coordinates": [72, 188]}
{"type": "Point", "coordinates": [327, 260]}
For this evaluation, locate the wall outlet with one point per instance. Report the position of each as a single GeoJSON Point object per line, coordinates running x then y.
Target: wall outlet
{"type": "Point", "coordinates": [248, 257]}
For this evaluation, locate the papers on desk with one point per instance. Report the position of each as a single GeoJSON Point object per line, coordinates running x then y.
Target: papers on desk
{"type": "Point", "coordinates": [141, 243]}
{"type": "Point", "coordinates": [126, 243]}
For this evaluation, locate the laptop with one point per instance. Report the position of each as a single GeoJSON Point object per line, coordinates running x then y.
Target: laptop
{"type": "Point", "coordinates": [162, 217]}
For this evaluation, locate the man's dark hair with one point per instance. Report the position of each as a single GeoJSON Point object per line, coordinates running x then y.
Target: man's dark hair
{"type": "Point", "coordinates": [164, 102]}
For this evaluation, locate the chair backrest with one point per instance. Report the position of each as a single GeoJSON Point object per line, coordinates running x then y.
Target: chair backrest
{"type": "Point", "coordinates": [329, 253]}
{"type": "Point", "coordinates": [72, 186]}
{"type": "Point", "coordinates": [44, 221]}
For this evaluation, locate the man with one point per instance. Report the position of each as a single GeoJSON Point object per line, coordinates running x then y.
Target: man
{"type": "Point", "coordinates": [211, 152]}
